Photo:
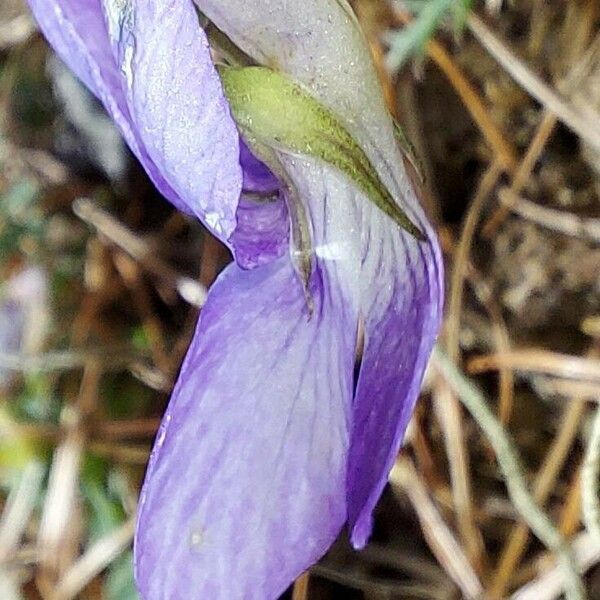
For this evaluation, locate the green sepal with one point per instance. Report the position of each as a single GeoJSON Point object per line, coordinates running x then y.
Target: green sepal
{"type": "Point", "coordinates": [280, 114]}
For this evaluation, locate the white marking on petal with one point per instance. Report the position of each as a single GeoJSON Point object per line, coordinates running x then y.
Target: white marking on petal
{"type": "Point", "coordinates": [213, 220]}
{"type": "Point", "coordinates": [197, 538]}
{"type": "Point", "coordinates": [333, 251]}
{"type": "Point", "coordinates": [117, 12]}
{"type": "Point", "coordinates": [126, 66]}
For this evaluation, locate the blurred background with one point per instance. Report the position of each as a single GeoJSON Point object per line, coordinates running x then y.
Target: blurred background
{"type": "Point", "coordinates": [101, 282]}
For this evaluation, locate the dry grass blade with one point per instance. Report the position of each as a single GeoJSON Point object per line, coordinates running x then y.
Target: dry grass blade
{"type": "Point", "coordinates": [67, 360]}
{"type": "Point", "coordinates": [61, 495]}
{"type": "Point", "coordinates": [556, 220]}
{"type": "Point", "coordinates": [300, 591]}
{"type": "Point", "coordinates": [588, 129]}
{"type": "Point", "coordinates": [460, 266]}
{"type": "Point", "coordinates": [379, 588]}
{"type": "Point", "coordinates": [135, 455]}
{"type": "Point", "coordinates": [495, 138]}
{"type": "Point", "coordinates": [130, 273]}
{"type": "Point", "coordinates": [93, 561]}
{"type": "Point", "coordinates": [449, 415]}
{"type": "Point", "coordinates": [557, 386]}
{"type": "Point", "coordinates": [16, 31]}
{"type": "Point", "coordinates": [544, 483]}
{"type": "Point", "coordinates": [542, 134]}
{"type": "Point", "coordinates": [501, 340]}
{"type": "Point", "coordinates": [19, 507]}
{"type": "Point", "coordinates": [526, 166]}
{"type": "Point", "coordinates": [508, 460]}
{"type": "Point", "coordinates": [551, 584]}
{"type": "Point", "coordinates": [441, 540]}
{"type": "Point", "coordinates": [190, 290]}
{"type": "Point", "coordinates": [447, 407]}
{"type": "Point", "coordinates": [129, 428]}
{"type": "Point", "coordinates": [590, 478]}
{"type": "Point", "coordinates": [539, 361]}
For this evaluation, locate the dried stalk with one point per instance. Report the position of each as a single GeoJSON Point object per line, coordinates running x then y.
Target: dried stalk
{"type": "Point", "coordinates": [189, 289]}
{"type": "Point", "coordinates": [586, 128]}
{"type": "Point", "coordinates": [509, 463]}
{"type": "Point", "coordinates": [440, 538]}
{"type": "Point", "coordinates": [590, 480]}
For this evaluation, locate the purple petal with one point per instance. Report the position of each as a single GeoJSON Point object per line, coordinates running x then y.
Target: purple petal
{"type": "Point", "coordinates": [175, 98]}
{"type": "Point", "coordinates": [401, 323]}
{"type": "Point", "coordinates": [246, 485]}
{"type": "Point", "coordinates": [77, 31]}
{"type": "Point", "coordinates": [257, 176]}
{"type": "Point", "coordinates": [180, 128]}
{"type": "Point", "coordinates": [397, 281]}
{"type": "Point", "coordinates": [262, 232]}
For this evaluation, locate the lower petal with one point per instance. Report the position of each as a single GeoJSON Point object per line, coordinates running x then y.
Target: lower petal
{"type": "Point", "coordinates": [246, 485]}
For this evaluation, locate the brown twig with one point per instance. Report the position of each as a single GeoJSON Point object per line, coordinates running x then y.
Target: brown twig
{"type": "Point", "coordinates": [539, 361]}
{"type": "Point", "coordinates": [189, 289]}
{"type": "Point", "coordinates": [586, 128]}
{"type": "Point", "coordinates": [93, 561]}
{"type": "Point", "coordinates": [440, 538]}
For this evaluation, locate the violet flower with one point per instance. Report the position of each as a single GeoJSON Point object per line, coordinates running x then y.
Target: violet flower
{"type": "Point", "coordinates": [269, 445]}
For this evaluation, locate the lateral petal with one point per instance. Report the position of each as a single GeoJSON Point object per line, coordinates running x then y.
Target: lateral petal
{"type": "Point", "coordinates": [246, 484]}
{"type": "Point", "coordinates": [401, 322]}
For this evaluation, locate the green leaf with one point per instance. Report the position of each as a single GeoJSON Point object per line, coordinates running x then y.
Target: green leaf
{"type": "Point", "coordinates": [120, 584]}
{"type": "Point", "coordinates": [276, 112]}
{"type": "Point", "coordinates": [106, 514]}
{"type": "Point", "coordinates": [460, 13]}
{"type": "Point", "coordinates": [429, 14]}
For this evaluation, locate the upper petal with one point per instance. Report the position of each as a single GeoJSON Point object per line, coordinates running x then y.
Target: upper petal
{"type": "Point", "coordinates": [77, 31]}
{"type": "Point", "coordinates": [319, 44]}
{"type": "Point", "coordinates": [246, 485]}
{"type": "Point", "coordinates": [180, 130]}
{"type": "Point", "coordinates": [175, 98]}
